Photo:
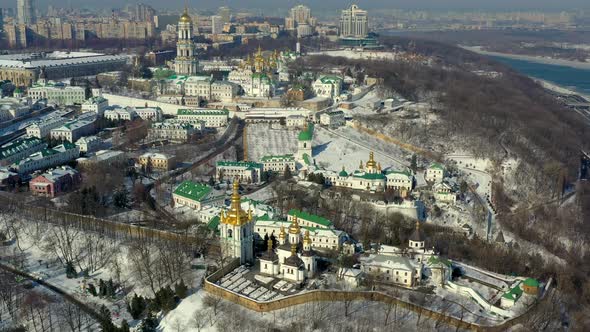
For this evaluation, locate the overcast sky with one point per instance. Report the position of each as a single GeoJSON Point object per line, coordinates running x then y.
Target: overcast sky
{"type": "Point", "coordinates": [504, 5]}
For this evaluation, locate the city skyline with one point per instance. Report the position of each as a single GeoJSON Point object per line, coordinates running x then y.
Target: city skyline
{"type": "Point", "coordinates": [499, 5]}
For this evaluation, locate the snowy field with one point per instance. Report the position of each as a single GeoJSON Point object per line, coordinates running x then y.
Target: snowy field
{"type": "Point", "coordinates": [194, 315]}
{"type": "Point", "coordinates": [265, 139]}
{"type": "Point", "coordinates": [354, 54]}
{"type": "Point", "coordinates": [347, 147]}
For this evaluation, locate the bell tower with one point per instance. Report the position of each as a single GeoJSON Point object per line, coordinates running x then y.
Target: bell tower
{"type": "Point", "coordinates": [236, 230]}
{"type": "Point", "coordinates": [186, 61]}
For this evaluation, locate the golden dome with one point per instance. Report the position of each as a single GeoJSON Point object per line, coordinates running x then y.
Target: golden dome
{"type": "Point", "coordinates": [282, 234]}
{"type": "Point", "coordinates": [306, 238]}
{"type": "Point", "coordinates": [294, 228]}
{"type": "Point", "coordinates": [185, 17]}
{"type": "Point", "coordinates": [371, 163]}
{"type": "Point", "coordinates": [236, 215]}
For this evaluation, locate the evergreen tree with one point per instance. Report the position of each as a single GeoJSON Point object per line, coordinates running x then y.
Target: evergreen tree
{"type": "Point", "coordinates": [414, 164]}
{"type": "Point", "coordinates": [92, 289]}
{"type": "Point", "coordinates": [164, 299]}
{"type": "Point", "coordinates": [211, 181]}
{"type": "Point", "coordinates": [181, 289]}
{"type": "Point", "coordinates": [120, 198]}
{"type": "Point", "coordinates": [110, 289]}
{"type": "Point", "coordinates": [149, 324]}
{"type": "Point", "coordinates": [124, 326]}
{"type": "Point", "coordinates": [106, 322]}
{"type": "Point", "coordinates": [102, 288]}
{"type": "Point", "coordinates": [137, 306]}
{"type": "Point", "coordinates": [71, 270]}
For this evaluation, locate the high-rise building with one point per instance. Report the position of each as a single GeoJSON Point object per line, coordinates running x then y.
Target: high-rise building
{"type": "Point", "coordinates": [300, 14]}
{"type": "Point", "coordinates": [25, 11]}
{"type": "Point", "coordinates": [217, 24]}
{"type": "Point", "coordinates": [354, 22]}
{"type": "Point", "coordinates": [225, 14]}
{"type": "Point", "coordinates": [143, 13]}
{"type": "Point", "coordinates": [186, 61]}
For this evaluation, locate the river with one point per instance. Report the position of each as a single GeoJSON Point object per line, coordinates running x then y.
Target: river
{"type": "Point", "coordinates": [576, 79]}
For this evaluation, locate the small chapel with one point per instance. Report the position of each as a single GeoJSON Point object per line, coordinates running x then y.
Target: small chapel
{"type": "Point", "coordinates": [293, 259]}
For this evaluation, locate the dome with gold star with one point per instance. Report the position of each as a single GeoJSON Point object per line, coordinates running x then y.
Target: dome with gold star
{"type": "Point", "coordinates": [185, 17]}
{"type": "Point", "coordinates": [371, 163]}
{"type": "Point", "coordinates": [236, 215]}
{"type": "Point", "coordinates": [294, 228]}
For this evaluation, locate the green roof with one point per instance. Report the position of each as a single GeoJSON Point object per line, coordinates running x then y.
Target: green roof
{"type": "Point", "coordinates": [17, 146]}
{"type": "Point", "coordinates": [531, 282]}
{"type": "Point", "coordinates": [287, 157]}
{"type": "Point", "coordinates": [343, 173]}
{"type": "Point", "coordinates": [213, 224]}
{"type": "Point", "coordinates": [247, 164]}
{"type": "Point", "coordinates": [202, 112]}
{"type": "Point", "coordinates": [514, 294]}
{"type": "Point", "coordinates": [311, 217]}
{"type": "Point", "coordinates": [306, 159]}
{"type": "Point", "coordinates": [369, 176]}
{"type": "Point", "coordinates": [264, 217]}
{"type": "Point", "coordinates": [437, 166]}
{"type": "Point", "coordinates": [18, 90]}
{"type": "Point", "coordinates": [192, 191]}
{"type": "Point", "coordinates": [260, 75]}
{"type": "Point", "coordinates": [436, 260]}
{"type": "Point", "coordinates": [68, 145]}
{"type": "Point", "coordinates": [330, 79]}
{"type": "Point", "coordinates": [307, 133]}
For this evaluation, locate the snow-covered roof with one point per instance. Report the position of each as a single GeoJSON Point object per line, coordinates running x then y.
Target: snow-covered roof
{"type": "Point", "coordinates": [391, 262]}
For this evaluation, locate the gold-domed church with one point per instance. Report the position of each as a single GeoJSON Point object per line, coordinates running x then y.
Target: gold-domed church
{"type": "Point", "coordinates": [256, 74]}
{"type": "Point", "coordinates": [293, 259]}
{"type": "Point", "coordinates": [236, 230]}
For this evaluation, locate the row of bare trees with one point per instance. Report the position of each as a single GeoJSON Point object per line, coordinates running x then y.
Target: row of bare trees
{"type": "Point", "coordinates": [38, 311]}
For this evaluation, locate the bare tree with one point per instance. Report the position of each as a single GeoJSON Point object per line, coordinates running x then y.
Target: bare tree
{"type": "Point", "coordinates": [200, 319]}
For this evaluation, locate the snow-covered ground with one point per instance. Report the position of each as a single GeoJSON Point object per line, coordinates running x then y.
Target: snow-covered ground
{"type": "Point", "coordinates": [345, 146]}
{"type": "Point", "coordinates": [40, 262]}
{"type": "Point", "coordinates": [359, 54]}
{"type": "Point", "coordinates": [265, 139]}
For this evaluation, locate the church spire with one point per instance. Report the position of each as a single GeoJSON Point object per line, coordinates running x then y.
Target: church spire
{"type": "Point", "coordinates": [236, 215]}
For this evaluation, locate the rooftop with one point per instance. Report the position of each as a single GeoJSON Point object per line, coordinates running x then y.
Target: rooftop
{"type": "Point", "coordinates": [54, 59]}
{"type": "Point", "coordinates": [57, 173]}
{"type": "Point", "coordinates": [307, 133]}
{"type": "Point", "coordinates": [514, 294]}
{"type": "Point", "coordinates": [437, 166]}
{"type": "Point", "coordinates": [392, 262]}
{"type": "Point", "coordinates": [193, 191]}
{"type": "Point", "coordinates": [286, 157]}
{"type": "Point", "coordinates": [202, 112]}
{"type": "Point", "coordinates": [246, 164]}
{"type": "Point", "coordinates": [368, 176]}
{"type": "Point", "coordinates": [17, 146]}
{"type": "Point", "coordinates": [310, 217]}
{"type": "Point", "coordinates": [153, 155]}
{"type": "Point", "coordinates": [329, 79]}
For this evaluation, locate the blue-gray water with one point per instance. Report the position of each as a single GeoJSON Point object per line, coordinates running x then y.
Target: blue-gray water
{"type": "Point", "coordinates": [568, 77]}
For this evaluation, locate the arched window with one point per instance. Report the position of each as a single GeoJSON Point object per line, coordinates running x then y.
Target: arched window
{"type": "Point", "coordinates": [229, 233]}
